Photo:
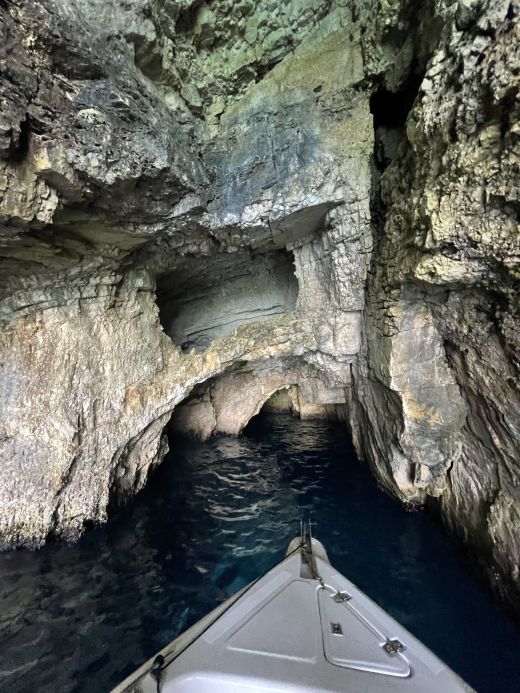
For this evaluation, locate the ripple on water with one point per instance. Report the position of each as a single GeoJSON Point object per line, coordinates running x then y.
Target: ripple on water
{"type": "Point", "coordinates": [214, 517]}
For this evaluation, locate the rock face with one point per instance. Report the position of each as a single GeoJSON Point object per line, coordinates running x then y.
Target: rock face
{"type": "Point", "coordinates": [205, 204]}
{"type": "Point", "coordinates": [202, 300]}
{"type": "Point", "coordinates": [437, 405]}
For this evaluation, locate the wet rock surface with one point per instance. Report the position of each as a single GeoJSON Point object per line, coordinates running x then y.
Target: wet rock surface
{"type": "Point", "coordinates": [202, 204]}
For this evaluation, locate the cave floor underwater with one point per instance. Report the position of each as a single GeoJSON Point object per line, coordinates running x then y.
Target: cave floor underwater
{"type": "Point", "coordinates": [216, 515]}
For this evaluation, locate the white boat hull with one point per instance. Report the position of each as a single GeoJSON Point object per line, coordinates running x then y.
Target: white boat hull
{"type": "Point", "coordinates": [301, 627]}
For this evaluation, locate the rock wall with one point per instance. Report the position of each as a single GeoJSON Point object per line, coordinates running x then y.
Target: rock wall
{"type": "Point", "coordinates": [437, 389]}
{"type": "Point", "coordinates": [116, 188]}
{"type": "Point", "coordinates": [200, 300]}
{"type": "Point", "coordinates": [202, 204]}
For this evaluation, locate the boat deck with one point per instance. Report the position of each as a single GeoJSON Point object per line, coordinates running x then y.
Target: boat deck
{"type": "Point", "coordinates": [302, 627]}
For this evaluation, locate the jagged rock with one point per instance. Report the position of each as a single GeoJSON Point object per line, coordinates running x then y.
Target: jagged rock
{"type": "Point", "coordinates": [204, 204]}
{"type": "Point", "coordinates": [448, 251]}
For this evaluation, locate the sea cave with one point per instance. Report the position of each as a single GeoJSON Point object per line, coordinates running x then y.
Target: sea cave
{"type": "Point", "coordinates": [213, 212]}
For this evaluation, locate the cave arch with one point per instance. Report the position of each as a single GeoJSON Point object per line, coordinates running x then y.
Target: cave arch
{"type": "Point", "coordinates": [290, 399]}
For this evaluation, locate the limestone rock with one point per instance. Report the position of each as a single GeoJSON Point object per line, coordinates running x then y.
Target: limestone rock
{"type": "Point", "coordinates": [437, 404]}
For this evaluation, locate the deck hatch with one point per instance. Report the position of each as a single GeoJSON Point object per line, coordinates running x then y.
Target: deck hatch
{"type": "Point", "coordinates": [359, 647]}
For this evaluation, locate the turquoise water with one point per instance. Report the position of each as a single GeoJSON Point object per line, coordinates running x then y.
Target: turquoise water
{"type": "Point", "coordinates": [216, 515]}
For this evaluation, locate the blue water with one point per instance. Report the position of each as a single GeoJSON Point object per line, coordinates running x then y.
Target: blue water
{"type": "Point", "coordinates": [216, 515]}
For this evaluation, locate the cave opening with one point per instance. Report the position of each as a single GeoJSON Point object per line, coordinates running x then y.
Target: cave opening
{"type": "Point", "coordinates": [290, 400]}
{"type": "Point", "coordinates": [206, 298]}
{"type": "Point", "coordinates": [281, 402]}
{"type": "Point", "coordinates": [20, 146]}
{"type": "Point", "coordinates": [390, 111]}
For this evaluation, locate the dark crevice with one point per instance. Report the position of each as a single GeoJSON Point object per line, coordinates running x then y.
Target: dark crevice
{"type": "Point", "coordinates": [76, 62]}
{"type": "Point", "coordinates": [186, 21]}
{"type": "Point", "coordinates": [262, 70]}
{"type": "Point", "coordinates": [390, 109]}
{"type": "Point", "coordinates": [20, 146]}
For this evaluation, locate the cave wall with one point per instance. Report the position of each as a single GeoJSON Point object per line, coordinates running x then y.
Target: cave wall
{"type": "Point", "coordinates": [437, 393]}
{"type": "Point", "coordinates": [115, 177]}
{"type": "Point", "coordinates": [204, 203]}
{"type": "Point", "coordinates": [200, 301]}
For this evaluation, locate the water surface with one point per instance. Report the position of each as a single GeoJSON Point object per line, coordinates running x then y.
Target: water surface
{"type": "Point", "coordinates": [216, 515]}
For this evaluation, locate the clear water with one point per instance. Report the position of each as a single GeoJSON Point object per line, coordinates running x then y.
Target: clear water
{"type": "Point", "coordinates": [215, 516]}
